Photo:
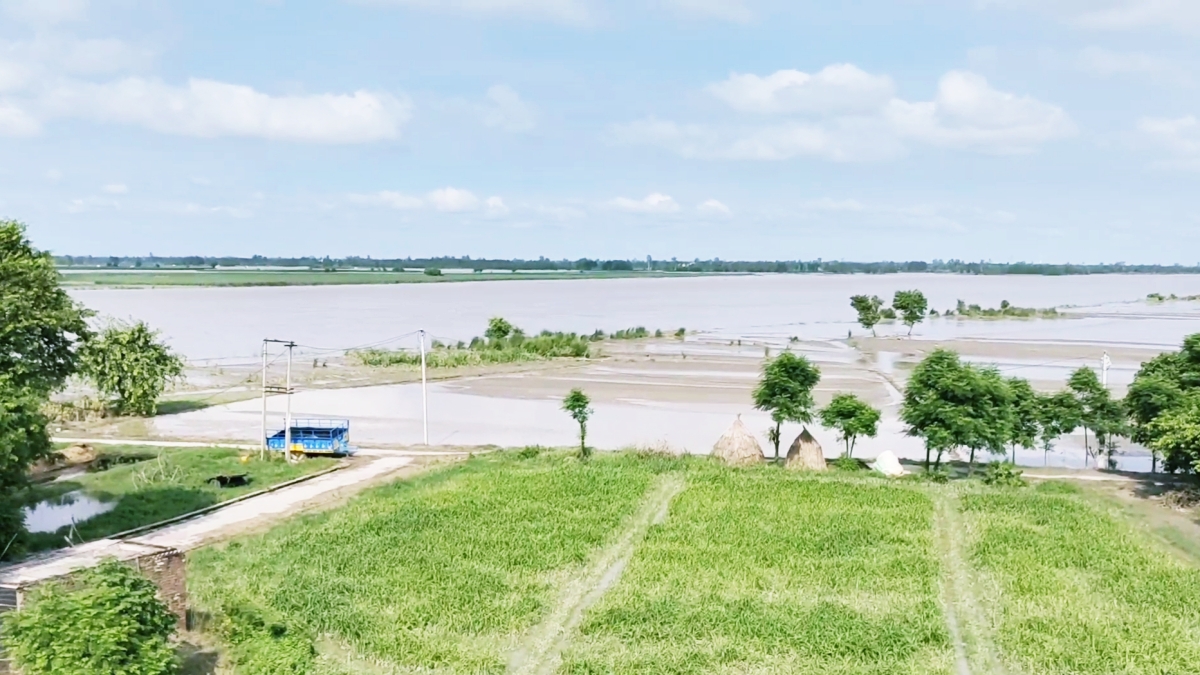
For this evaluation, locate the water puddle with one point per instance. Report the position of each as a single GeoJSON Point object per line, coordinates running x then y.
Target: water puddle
{"type": "Point", "coordinates": [73, 507]}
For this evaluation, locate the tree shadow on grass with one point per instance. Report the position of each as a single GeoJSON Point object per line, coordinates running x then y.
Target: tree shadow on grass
{"type": "Point", "coordinates": [174, 407]}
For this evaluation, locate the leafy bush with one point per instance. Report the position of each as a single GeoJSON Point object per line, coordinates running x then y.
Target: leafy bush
{"type": "Point", "coordinates": [108, 622]}
{"type": "Point", "coordinates": [131, 365]}
{"type": "Point", "coordinates": [259, 646]}
{"type": "Point", "coordinates": [1003, 474]}
{"type": "Point", "coordinates": [845, 463]}
{"type": "Point", "coordinates": [433, 272]}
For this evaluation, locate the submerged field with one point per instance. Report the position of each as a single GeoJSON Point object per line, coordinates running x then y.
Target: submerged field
{"type": "Point", "coordinates": [528, 562]}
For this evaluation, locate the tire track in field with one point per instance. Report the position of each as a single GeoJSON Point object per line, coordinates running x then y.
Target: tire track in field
{"type": "Point", "coordinates": [540, 652]}
{"type": "Point", "coordinates": [974, 651]}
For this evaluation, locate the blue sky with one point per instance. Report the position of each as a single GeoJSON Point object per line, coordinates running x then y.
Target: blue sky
{"type": "Point", "coordinates": [1047, 130]}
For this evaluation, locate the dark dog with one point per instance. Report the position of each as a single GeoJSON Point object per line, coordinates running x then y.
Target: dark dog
{"type": "Point", "coordinates": [240, 480]}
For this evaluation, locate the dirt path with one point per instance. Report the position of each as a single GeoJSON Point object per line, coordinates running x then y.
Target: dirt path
{"type": "Point", "coordinates": [974, 652]}
{"type": "Point", "coordinates": [541, 651]}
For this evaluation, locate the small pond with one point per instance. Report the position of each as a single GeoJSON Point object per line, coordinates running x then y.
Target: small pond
{"type": "Point", "coordinates": [73, 507]}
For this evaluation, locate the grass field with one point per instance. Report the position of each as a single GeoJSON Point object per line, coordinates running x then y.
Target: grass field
{"type": "Point", "coordinates": [149, 485]}
{"type": "Point", "coordinates": [769, 572]}
{"type": "Point", "coordinates": [1074, 589]}
{"type": "Point", "coordinates": [527, 562]}
{"type": "Point", "coordinates": [128, 278]}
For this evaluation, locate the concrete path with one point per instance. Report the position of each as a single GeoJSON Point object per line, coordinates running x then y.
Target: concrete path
{"type": "Point", "coordinates": [198, 531]}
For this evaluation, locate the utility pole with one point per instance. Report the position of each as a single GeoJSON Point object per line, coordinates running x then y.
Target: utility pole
{"type": "Point", "coordinates": [287, 389]}
{"type": "Point", "coordinates": [1105, 364]}
{"type": "Point", "coordinates": [287, 429]}
{"type": "Point", "coordinates": [262, 453]}
{"type": "Point", "coordinates": [424, 393]}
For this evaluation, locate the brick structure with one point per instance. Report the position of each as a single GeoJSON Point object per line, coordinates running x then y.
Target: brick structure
{"type": "Point", "coordinates": [164, 566]}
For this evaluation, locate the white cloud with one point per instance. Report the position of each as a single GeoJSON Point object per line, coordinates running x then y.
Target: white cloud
{"type": "Point", "coordinates": [507, 111]}
{"type": "Point", "coordinates": [712, 207]}
{"type": "Point", "coordinates": [15, 121]}
{"type": "Point", "coordinates": [651, 203]}
{"type": "Point", "coordinates": [1179, 136]}
{"type": "Point", "coordinates": [1180, 15]}
{"type": "Point", "coordinates": [968, 113]}
{"type": "Point", "coordinates": [54, 175]}
{"type": "Point", "coordinates": [736, 11]}
{"type": "Point", "coordinates": [1105, 63]}
{"type": "Point", "coordinates": [210, 109]}
{"type": "Point", "coordinates": [496, 206]}
{"type": "Point", "coordinates": [14, 76]}
{"type": "Point", "coordinates": [453, 200]}
{"type": "Point", "coordinates": [116, 188]}
{"type": "Point", "coordinates": [395, 200]}
{"type": "Point", "coordinates": [844, 114]}
{"type": "Point", "coordinates": [46, 12]}
{"type": "Point", "coordinates": [565, 11]}
{"type": "Point", "coordinates": [837, 88]}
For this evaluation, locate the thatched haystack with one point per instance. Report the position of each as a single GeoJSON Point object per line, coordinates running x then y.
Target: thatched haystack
{"type": "Point", "coordinates": [806, 453]}
{"type": "Point", "coordinates": [738, 446]}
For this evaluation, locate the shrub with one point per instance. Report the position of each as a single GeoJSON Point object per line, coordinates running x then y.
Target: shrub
{"type": "Point", "coordinates": [845, 463]}
{"type": "Point", "coordinates": [433, 272]}
{"type": "Point", "coordinates": [1003, 474]}
{"type": "Point", "coordinates": [108, 622]}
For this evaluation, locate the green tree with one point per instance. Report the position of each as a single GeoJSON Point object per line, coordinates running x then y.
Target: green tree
{"type": "Point", "coordinates": [1099, 412]}
{"type": "Point", "coordinates": [130, 364]}
{"type": "Point", "coordinates": [912, 306]}
{"type": "Point", "coordinates": [498, 329]}
{"type": "Point", "coordinates": [110, 622]}
{"type": "Point", "coordinates": [1058, 415]}
{"type": "Point", "coordinates": [1023, 432]}
{"type": "Point", "coordinates": [868, 310]}
{"type": "Point", "coordinates": [852, 417]}
{"type": "Point", "coordinates": [41, 327]}
{"type": "Point", "coordinates": [1175, 436]}
{"type": "Point", "coordinates": [950, 404]}
{"type": "Point", "coordinates": [786, 391]}
{"type": "Point", "coordinates": [578, 406]}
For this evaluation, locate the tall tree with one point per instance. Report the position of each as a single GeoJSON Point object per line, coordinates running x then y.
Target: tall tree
{"type": "Point", "coordinates": [912, 306]}
{"type": "Point", "coordinates": [1058, 415]}
{"type": "Point", "coordinates": [1175, 436]}
{"type": "Point", "coordinates": [1099, 413]}
{"type": "Point", "coordinates": [852, 417]}
{"type": "Point", "coordinates": [786, 391]}
{"type": "Point", "coordinates": [950, 404]}
{"type": "Point", "coordinates": [131, 365]}
{"type": "Point", "coordinates": [41, 327]}
{"type": "Point", "coordinates": [1025, 409]}
{"type": "Point", "coordinates": [868, 310]}
{"type": "Point", "coordinates": [579, 407]}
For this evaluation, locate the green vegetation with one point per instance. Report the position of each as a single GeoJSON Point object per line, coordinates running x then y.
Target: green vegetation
{"type": "Point", "coordinates": [846, 581]}
{"type": "Point", "coordinates": [1159, 297]}
{"type": "Point", "coordinates": [1164, 406]}
{"type": "Point", "coordinates": [502, 343]}
{"type": "Point", "coordinates": [123, 278]}
{"type": "Point", "coordinates": [1058, 414]}
{"type": "Point", "coordinates": [108, 621]}
{"type": "Point", "coordinates": [868, 309]}
{"type": "Point", "coordinates": [852, 417]}
{"type": "Point", "coordinates": [950, 404]}
{"type": "Point", "coordinates": [579, 407]}
{"type": "Point", "coordinates": [786, 391]}
{"type": "Point", "coordinates": [131, 365]}
{"type": "Point", "coordinates": [445, 572]}
{"type": "Point", "coordinates": [150, 487]}
{"type": "Point", "coordinates": [1004, 311]}
{"type": "Point", "coordinates": [41, 329]}
{"type": "Point", "coordinates": [1099, 412]}
{"type": "Point", "coordinates": [912, 307]}
{"type": "Point", "coordinates": [1078, 591]}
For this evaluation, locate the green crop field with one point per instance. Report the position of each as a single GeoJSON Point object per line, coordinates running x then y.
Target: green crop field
{"type": "Point", "coordinates": [1075, 590]}
{"type": "Point", "coordinates": [528, 562]}
{"type": "Point", "coordinates": [147, 485]}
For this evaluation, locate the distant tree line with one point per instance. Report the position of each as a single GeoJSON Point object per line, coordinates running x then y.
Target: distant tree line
{"type": "Point", "coordinates": [647, 264]}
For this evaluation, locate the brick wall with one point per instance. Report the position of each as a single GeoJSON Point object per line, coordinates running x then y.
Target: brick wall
{"type": "Point", "coordinates": [168, 571]}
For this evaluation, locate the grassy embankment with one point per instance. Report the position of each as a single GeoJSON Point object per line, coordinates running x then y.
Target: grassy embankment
{"type": "Point", "coordinates": [515, 348]}
{"type": "Point", "coordinates": [150, 485]}
{"type": "Point", "coordinates": [752, 571]}
{"type": "Point", "coordinates": [237, 278]}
